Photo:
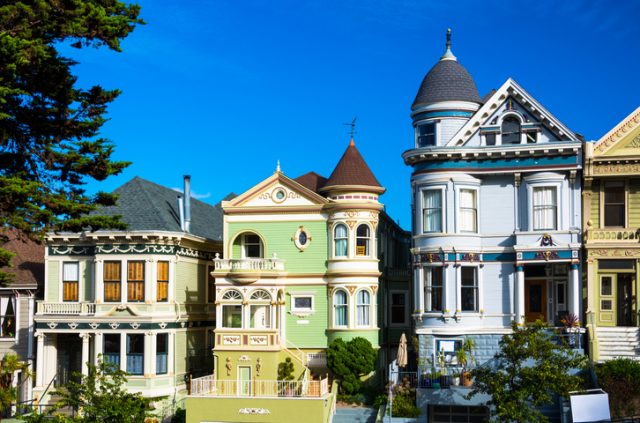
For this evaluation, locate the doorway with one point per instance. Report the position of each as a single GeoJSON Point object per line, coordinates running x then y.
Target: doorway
{"type": "Point", "coordinates": [69, 358]}
{"type": "Point", "coordinates": [535, 300]}
{"type": "Point", "coordinates": [244, 380]}
{"type": "Point", "coordinates": [624, 300]}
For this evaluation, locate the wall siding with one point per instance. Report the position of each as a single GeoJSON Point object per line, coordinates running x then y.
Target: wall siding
{"type": "Point", "coordinates": [53, 281]}
{"type": "Point", "coordinates": [595, 204]}
{"type": "Point", "coordinates": [308, 331]}
{"type": "Point", "coordinates": [634, 203]}
{"type": "Point", "coordinates": [190, 282]}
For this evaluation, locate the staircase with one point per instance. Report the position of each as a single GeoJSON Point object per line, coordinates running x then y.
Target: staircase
{"type": "Point", "coordinates": [355, 415]}
{"type": "Point", "coordinates": [618, 341]}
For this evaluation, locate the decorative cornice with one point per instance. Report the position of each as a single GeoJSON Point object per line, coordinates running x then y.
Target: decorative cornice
{"type": "Point", "coordinates": [619, 131]}
{"type": "Point", "coordinates": [90, 250]}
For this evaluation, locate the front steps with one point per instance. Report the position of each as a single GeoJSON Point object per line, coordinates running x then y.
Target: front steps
{"type": "Point", "coordinates": [619, 341]}
{"type": "Point", "coordinates": [355, 415]}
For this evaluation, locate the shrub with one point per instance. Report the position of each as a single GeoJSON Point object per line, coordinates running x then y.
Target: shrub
{"type": "Point", "coordinates": [620, 378]}
{"type": "Point", "coordinates": [349, 361]}
{"type": "Point", "coordinates": [404, 400]}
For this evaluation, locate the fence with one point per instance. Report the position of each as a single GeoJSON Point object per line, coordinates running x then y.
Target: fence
{"type": "Point", "coordinates": [208, 386]}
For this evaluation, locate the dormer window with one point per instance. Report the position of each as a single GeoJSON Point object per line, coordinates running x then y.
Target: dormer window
{"type": "Point", "coordinates": [511, 130]}
{"type": "Point", "coordinates": [426, 134]}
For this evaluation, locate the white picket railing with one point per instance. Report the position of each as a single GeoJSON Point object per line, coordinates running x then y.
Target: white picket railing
{"type": "Point", "coordinates": [68, 309]}
{"type": "Point", "coordinates": [208, 386]}
{"type": "Point", "coordinates": [249, 264]}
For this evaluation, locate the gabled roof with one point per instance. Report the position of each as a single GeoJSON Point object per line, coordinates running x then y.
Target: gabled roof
{"type": "Point", "coordinates": [509, 88]}
{"type": "Point", "coordinates": [146, 206]}
{"type": "Point", "coordinates": [28, 263]}
{"type": "Point", "coordinates": [312, 181]}
{"type": "Point", "coordinates": [619, 132]}
{"type": "Point", "coordinates": [352, 170]}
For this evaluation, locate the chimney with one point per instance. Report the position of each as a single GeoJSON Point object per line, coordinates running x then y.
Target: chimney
{"type": "Point", "coordinates": [181, 211]}
{"type": "Point", "coordinates": [187, 203]}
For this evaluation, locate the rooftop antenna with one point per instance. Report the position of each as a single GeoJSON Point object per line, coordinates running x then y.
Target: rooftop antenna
{"type": "Point", "coordinates": [352, 125]}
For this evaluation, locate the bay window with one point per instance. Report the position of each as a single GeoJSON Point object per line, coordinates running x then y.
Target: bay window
{"type": "Point", "coordinates": [70, 281]}
{"type": "Point", "coordinates": [260, 314]}
{"type": "Point", "coordinates": [111, 352]}
{"type": "Point", "coordinates": [340, 309]}
{"type": "Point", "coordinates": [135, 354]}
{"type": "Point", "coordinates": [7, 316]}
{"type": "Point", "coordinates": [162, 282]}
{"type": "Point", "coordinates": [363, 308]}
{"type": "Point", "coordinates": [162, 352]}
{"type": "Point", "coordinates": [468, 210]}
{"type": "Point", "coordinates": [469, 289]}
{"type": "Point", "coordinates": [232, 310]}
{"type": "Point", "coordinates": [340, 240]}
{"type": "Point", "coordinates": [111, 281]}
{"type": "Point", "coordinates": [432, 210]}
{"type": "Point", "coordinates": [135, 281]}
{"type": "Point", "coordinates": [362, 240]}
{"type": "Point", "coordinates": [433, 289]}
{"type": "Point", "coordinates": [545, 208]}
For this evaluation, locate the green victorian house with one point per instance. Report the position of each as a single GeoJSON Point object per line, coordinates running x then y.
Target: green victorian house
{"type": "Point", "coordinates": [305, 261]}
{"type": "Point", "coordinates": [138, 298]}
{"type": "Point", "coordinates": [612, 234]}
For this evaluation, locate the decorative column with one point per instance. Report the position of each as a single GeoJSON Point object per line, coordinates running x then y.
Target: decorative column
{"type": "Point", "coordinates": [516, 210]}
{"type": "Point", "coordinates": [98, 340]}
{"type": "Point", "coordinates": [99, 278]}
{"type": "Point", "coordinates": [40, 359]}
{"type": "Point", "coordinates": [419, 295]}
{"type": "Point", "coordinates": [170, 353]}
{"type": "Point", "coordinates": [574, 290]}
{"type": "Point", "coordinates": [85, 352]}
{"type": "Point", "coordinates": [123, 352]}
{"type": "Point", "coordinates": [149, 353]}
{"type": "Point", "coordinates": [150, 274]}
{"type": "Point", "coordinates": [519, 294]}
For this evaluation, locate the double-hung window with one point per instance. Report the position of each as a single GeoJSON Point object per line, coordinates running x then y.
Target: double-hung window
{"type": "Point", "coordinates": [260, 313]}
{"type": "Point", "coordinates": [363, 240]}
{"type": "Point", "coordinates": [135, 354]}
{"type": "Point", "coordinates": [111, 350]}
{"type": "Point", "coordinates": [469, 289]}
{"type": "Point", "coordinates": [7, 316]}
{"type": "Point", "coordinates": [162, 352]}
{"type": "Point", "coordinates": [614, 204]}
{"type": "Point", "coordinates": [163, 282]}
{"type": "Point", "coordinates": [545, 208]}
{"type": "Point", "coordinates": [398, 308]}
{"type": "Point", "coordinates": [70, 281]}
{"type": "Point", "coordinates": [341, 240]}
{"type": "Point", "coordinates": [252, 246]}
{"type": "Point", "coordinates": [363, 307]}
{"type": "Point", "coordinates": [135, 281]}
{"type": "Point", "coordinates": [111, 281]}
{"type": "Point", "coordinates": [340, 309]}
{"type": "Point", "coordinates": [432, 210]}
{"type": "Point", "coordinates": [426, 134]}
{"type": "Point", "coordinates": [468, 210]}
{"type": "Point", "coordinates": [433, 289]}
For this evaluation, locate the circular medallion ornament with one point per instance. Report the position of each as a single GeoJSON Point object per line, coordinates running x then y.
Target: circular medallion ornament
{"type": "Point", "coordinates": [278, 195]}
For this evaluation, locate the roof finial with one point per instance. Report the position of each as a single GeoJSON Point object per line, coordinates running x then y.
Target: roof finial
{"type": "Point", "coordinates": [448, 55]}
{"type": "Point", "coordinates": [278, 167]}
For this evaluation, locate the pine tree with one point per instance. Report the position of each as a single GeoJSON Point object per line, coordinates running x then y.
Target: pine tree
{"type": "Point", "coordinates": [49, 127]}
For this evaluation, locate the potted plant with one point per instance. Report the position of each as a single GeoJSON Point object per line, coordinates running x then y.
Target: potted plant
{"type": "Point", "coordinates": [466, 358]}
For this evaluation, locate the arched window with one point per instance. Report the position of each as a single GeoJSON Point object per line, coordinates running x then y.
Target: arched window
{"type": "Point", "coordinates": [511, 130]}
{"type": "Point", "coordinates": [260, 310]}
{"type": "Point", "coordinates": [340, 309]}
{"type": "Point", "coordinates": [363, 306]}
{"type": "Point", "coordinates": [341, 240]}
{"type": "Point", "coordinates": [232, 309]}
{"type": "Point", "coordinates": [363, 240]}
{"type": "Point", "coordinates": [251, 246]}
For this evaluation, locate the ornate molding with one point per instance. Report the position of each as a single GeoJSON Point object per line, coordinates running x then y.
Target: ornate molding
{"type": "Point", "coordinates": [254, 411]}
{"type": "Point", "coordinates": [614, 253]}
{"type": "Point", "coordinates": [74, 250]}
{"type": "Point", "coordinates": [611, 169]}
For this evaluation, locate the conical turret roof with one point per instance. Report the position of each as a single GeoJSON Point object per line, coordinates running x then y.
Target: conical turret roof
{"type": "Point", "coordinates": [352, 170]}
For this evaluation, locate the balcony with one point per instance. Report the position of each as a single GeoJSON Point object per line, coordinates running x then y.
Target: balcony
{"type": "Point", "coordinates": [620, 235]}
{"type": "Point", "coordinates": [248, 270]}
{"type": "Point", "coordinates": [210, 386]}
{"type": "Point", "coordinates": [66, 309]}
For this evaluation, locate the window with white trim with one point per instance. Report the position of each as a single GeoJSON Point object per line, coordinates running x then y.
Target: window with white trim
{"type": "Point", "coordinates": [511, 130]}
{"type": "Point", "coordinates": [7, 316]}
{"type": "Point", "coordinates": [301, 303]}
{"type": "Point", "coordinates": [232, 309]}
{"type": "Point", "coordinates": [545, 208]}
{"type": "Point", "coordinates": [432, 210]}
{"type": "Point", "coordinates": [260, 310]}
{"type": "Point", "coordinates": [162, 353]}
{"type": "Point", "coordinates": [251, 246]}
{"type": "Point", "coordinates": [70, 281]}
{"type": "Point", "coordinates": [469, 289]}
{"type": "Point", "coordinates": [340, 240]}
{"type": "Point", "coordinates": [433, 289]}
{"type": "Point", "coordinates": [426, 134]}
{"type": "Point", "coordinates": [363, 308]}
{"type": "Point", "coordinates": [363, 240]}
{"type": "Point", "coordinates": [340, 308]}
{"type": "Point", "coordinates": [468, 212]}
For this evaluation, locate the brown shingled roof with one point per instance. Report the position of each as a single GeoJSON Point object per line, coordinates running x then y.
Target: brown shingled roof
{"type": "Point", "coordinates": [352, 170]}
{"type": "Point", "coordinates": [311, 181]}
{"type": "Point", "coordinates": [28, 263]}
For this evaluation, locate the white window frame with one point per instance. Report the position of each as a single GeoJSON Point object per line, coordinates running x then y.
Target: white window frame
{"type": "Point", "coordinates": [333, 240]}
{"type": "Point", "coordinates": [436, 132]}
{"type": "Point", "coordinates": [62, 264]}
{"type": "Point", "coordinates": [443, 209]}
{"type": "Point", "coordinates": [231, 302]}
{"type": "Point", "coordinates": [479, 285]}
{"type": "Point", "coordinates": [304, 311]}
{"type": "Point", "coordinates": [533, 205]}
{"type": "Point", "coordinates": [16, 317]}
{"type": "Point", "coordinates": [426, 272]}
{"type": "Point", "coordinates": [543, 181]}
{"type": "Point", "coordinates": [369, 307]}
{"type": "Point", "coordinates": [243, 245]}
{"type": "Point", "coordinates": [370, 240]}
{"type": "Point", "coordinates": [405, 315]}
{"type": "Point", "coordinates": [476, 191]}
{"type": "Point", "coordinates": [346, 305]}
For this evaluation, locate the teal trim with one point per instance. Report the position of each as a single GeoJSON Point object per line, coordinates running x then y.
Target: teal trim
{"type": "Point", "coordinates": [442, 113]}
{"type": "Point", "coordinates": [493, 163]}
{"type": "Point", "coordinates": [494, 257]}
{"type": "Point", "coordinates": [127, 326]}
{"type": "Point", "coordinates": [499, 257]}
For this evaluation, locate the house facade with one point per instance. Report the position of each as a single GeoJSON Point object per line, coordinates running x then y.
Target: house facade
{"type": "Point", "coordinates": [137, 298]}
{"type": "Point", "coordinates": [611, 222]}
{"type": "Point", "coordinates": [17, 305]}
{"type": "Point", "coordinates": [305, 262]}
{"type": "Point", "coordinates": [496, 220]}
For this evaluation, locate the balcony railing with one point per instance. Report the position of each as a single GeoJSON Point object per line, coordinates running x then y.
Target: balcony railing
{"type": "Point", "coordinates": [613, 235]}
{"type": "Point", "coordinates": [209, 386]}
{"type": "Point", "coordinates": [249, 264]}
{"type": "Point", "coordinates": [69, 309]}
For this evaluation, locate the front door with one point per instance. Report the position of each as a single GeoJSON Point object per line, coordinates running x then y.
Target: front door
{"type": "Point", "coordinates": [535, 300]}
{"type": "Point", "coordinates": [244, 380]}
{"type": "Point", "coordinates": [624, 298]}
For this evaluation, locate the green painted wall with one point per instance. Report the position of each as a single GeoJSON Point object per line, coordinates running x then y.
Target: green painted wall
{"type": "Point", "coordinates": [180, 355]}
{"type": "Point", "coordinates": [277, 238]}
{"type": "Point", "coordinates": [372, 335]}
{"type": "Point", "coordinates": [595, 204]}
{"type": "Point", "coordinates": [308, 331]}
{"type": "Point", "coordinates": [190, 282]}
{"type": "Point", "coordinates": [53, 281]}
{"type": "Point", "coordinates": [634, 203]}
{"type": "Point", "coordinates": [86, 277]}
{"type": "Point", "coordinates": [211, 409]}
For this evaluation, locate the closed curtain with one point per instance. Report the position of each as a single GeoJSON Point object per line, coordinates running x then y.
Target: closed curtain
{"type": "Point", "coordinates": [340, 307]}
{"type": "Point", "coordinates": [363, 302]}
{"type": "Point", "coordinates": [433, 211]}
{"type": "Point", "coordinates": [468, 210]}
{"type": "Point", "coordinates": [341, 240]}
{"type": "Point", "coordinates": [70, 282]}
{"type": "Point", "coordinates": [544, 209]}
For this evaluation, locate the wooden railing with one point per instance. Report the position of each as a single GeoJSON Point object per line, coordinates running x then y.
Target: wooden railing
{"type": "Point", "coordinates": [209, 386]}
{"type": "Point", "coordinates": [249, 264]}
{"type": "Point", "coordinates": [613, 235]}
{"type": "Point", "coordinates": [69, 309]}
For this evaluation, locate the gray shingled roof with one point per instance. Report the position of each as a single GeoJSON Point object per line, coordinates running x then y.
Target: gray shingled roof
{"type": "Point", "coordinates": [146, 206]}
{"type": "Point", "coordinates": [448, 80]}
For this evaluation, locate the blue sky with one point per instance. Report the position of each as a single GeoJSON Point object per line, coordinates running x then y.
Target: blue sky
{"type": "Point", "coordinates": [224, 89]}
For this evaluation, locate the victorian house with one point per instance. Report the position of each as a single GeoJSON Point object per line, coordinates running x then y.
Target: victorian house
{"type": "Point", "coordinates": [611, 216]}
{"type": "Point", "coordinates": [137, 298]}
{"type": "Point", "coordinates": [305, 261]}
{"type": "Point", "coordinates": [496, 220]}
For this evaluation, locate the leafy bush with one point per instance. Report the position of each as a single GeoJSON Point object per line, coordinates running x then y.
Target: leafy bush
{"type": "Point", "coordinates": [620, 378]}
{"type": "Point", "coordinates": [285, 369]}
{"type": "Point", "coordinates": [404, 400]}
{"type": "Point", "coordinates": [180, 416]}
{"type": "Point", "coordinates": [349, 361]}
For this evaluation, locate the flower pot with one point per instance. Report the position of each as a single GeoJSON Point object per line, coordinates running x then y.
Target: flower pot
{"type": "Point", "coordinates": [466, 379]}
{"type": "Point", "coordinates": [456, 381]}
